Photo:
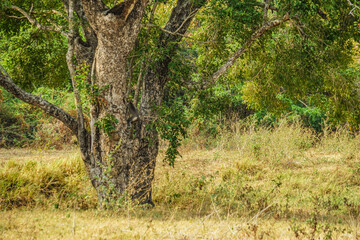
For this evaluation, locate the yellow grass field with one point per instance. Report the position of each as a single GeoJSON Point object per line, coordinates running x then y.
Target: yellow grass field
{"type": "Point", "coordinates": [284, 183]}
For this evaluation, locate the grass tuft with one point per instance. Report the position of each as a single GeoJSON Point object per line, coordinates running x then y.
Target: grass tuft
{"type": "Point", "coordinates": [61, 183]}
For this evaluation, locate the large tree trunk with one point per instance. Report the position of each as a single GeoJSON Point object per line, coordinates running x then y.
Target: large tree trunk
{"type": "Point", "coordinates": [128, 145]}
{"type": "Point", "coordinates": [120, 164]}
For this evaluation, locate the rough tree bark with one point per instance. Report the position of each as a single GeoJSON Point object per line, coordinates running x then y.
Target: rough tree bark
{"type": "Point", "coordinates": [131, 146]}
{"type": "Point", "coordinates": [114, 140]}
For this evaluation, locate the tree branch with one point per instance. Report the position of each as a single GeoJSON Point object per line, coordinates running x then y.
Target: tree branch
{"type": "Point", "coordinates": [129, 75]}
{"type": "Point", "coordinates": [354, 6]}
{"type": "Point", "coordinates": [96, 5]}
{"type": "Point", "coordinates": [157, 73]}
{"type": "Point", "coordinates": [144, 66]}
{"type": "Point", "coordinates": [34, 22]}
{"type": "Point", "coordinates": [16, 17]}
{"type": "Point", "coordinates": [139, 83]}
{"type": "Point", "coordinates": [258, 74]}
{"type": "Point", "coordinates": [87, 30]}
{"type": "Point", "coordinates": [300, 26]}
{"type": "Point", "coordinates": [59, 13]}
{"type": "Point", "coordinates": [257, 34]}
{"type": "Point", "coordinates": [266, 8]}
{"type": "Point", "coordinates": [190, 17]}
{"type": "Point", "coordinates": [7, 83]}
{"type": "Point", "coordinates": [261, 4]}
{"type": "Point", "coordinates": [70, 64]}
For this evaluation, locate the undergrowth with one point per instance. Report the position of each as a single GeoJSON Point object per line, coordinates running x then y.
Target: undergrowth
{"type": "Point", "coordinates": [23, 125]}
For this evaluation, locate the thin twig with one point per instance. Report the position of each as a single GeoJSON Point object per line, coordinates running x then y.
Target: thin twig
{"type": "Point", "coordinates": [189, 17]}
{"type": "Point", "coordinates": [257, 75]}
{"type": "Point", "coordinates": [303, 103]}
{"type": "Point", "coordinates": [16, 17]}
{"type": "Point", "coordinates": [144, 66]}
{"type": "Point", "coordinates": [299, 25]}
{"type": "Point", "coordinates": [70, 64]}
{"type": "Point", "coordinates": [271, 7]}
{"type": "Point", "coordinates": [259, 213]}
{"type": "Point", "coordinates": [129, 76]}
{"type": "Point", "coordinates": [138, 84]}
{"type": "Point", "coordinates": [266, 8]}
{"type": "Point", "coordinates": [354, 7]}
{"type": "Point", "coordinates": [59, 13]}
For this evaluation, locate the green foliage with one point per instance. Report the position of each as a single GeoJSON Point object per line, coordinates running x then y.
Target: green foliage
{"type": "Point", "coordinates": [307, 62]}
{"type": "Point", "coordinates": [33, 60]}
{"type": "Point", "coordinates": [107, 123]}
{"type": "Point", "coordinates": [85, 89]}
{"type": "Point", "coordinates": [42, 9]}
{"type": "Point", "coordinates": [32, 57]}
{"type": "Point", "coordinates": [236, 17]}
{"type": "Point", "coordinates": [15, 128]}
{"type": "Point", "coordinates": [224, 27]}
{"type": "Point", "coordinates": [81, 79]}
{"type": "Point", "coordinates": [303, 70]}
{"type": "Point", "coordinates": [310, 116]}
{"type": "Point", "coordinates": [89, 92]}
{"type": "Point", "coordinates": [172, 125]}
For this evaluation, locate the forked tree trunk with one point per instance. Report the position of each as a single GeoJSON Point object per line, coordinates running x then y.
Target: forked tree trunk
{"type": "Point", "coordinates": [122, 158]}
{"type": "Point", "coordinates": [129, 146]}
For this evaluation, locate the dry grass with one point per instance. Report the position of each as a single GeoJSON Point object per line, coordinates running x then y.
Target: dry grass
{"type": "Point", "coordinates": [91, 224]}
{"type": "Point", "coordinates": [44, 178]}
{"type": "Point", "coordinates": [47, 224]}
{"type": "Point", "coordinates": [23, 155]}
{"type": "Point", "coordinates": [257, 183]}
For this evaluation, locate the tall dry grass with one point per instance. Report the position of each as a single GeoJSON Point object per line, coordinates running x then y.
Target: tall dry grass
{"type": "Point", "coordinates": [284, 173]}
{"type": "Point", "coordinates": [61, 183]}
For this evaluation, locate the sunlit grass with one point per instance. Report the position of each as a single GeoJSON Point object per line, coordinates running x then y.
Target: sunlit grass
{"type": "Point", "coordinates": [255, 182]}
{"type": "Point", "coordinates": [60, 182]}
